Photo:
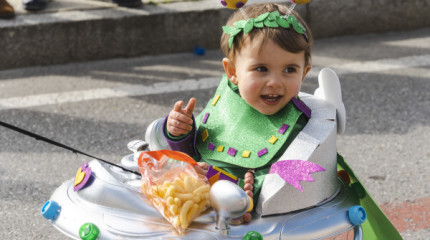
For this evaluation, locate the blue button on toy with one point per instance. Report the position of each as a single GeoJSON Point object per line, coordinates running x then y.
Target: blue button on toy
{"type": "Point", "coordinates": [357, 215]}
{"type": "Point", "coordinates": [51, 210]}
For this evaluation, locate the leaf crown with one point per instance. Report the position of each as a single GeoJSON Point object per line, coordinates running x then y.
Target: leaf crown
{"type": "Point", "coordinates": [268, 19]}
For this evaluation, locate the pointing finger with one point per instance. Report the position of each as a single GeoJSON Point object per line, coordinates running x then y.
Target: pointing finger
{"type": "Point", "coordinates": [190, 107]}
{"type": "Point", "coordinates": [178, 106]}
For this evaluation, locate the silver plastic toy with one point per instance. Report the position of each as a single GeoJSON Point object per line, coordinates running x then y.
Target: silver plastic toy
{"type": "Point", "coordinates": [111, 205]}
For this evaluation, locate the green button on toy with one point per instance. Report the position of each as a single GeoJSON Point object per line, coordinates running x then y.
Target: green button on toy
{"type": "Point", "coordinates": [252, 235]}
{"type": "Point", "coordinates": [89, 231]}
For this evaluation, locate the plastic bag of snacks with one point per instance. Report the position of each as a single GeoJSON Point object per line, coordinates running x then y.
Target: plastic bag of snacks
{"type": "Point", "coordinates": [171, 183]}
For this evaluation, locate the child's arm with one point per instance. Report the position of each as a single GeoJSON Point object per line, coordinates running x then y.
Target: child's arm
{"type": "Point", "coordinates": [180, 121]}
{"type": "Point", "coordinates": [179, 128]}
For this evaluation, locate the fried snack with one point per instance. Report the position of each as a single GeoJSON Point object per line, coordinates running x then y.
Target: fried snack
{"type": "Point", "coordinates": [180, 199]}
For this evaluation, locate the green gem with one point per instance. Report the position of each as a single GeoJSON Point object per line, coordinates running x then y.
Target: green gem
{"type": "Point", "coordinates": [269, 23]}
{"type": "Point", "coordinates": [268, 19]}
{"type": "Point", "coordinates": [258, 24]}
{"type": "Point", "coordinates": [298, 28]}
{"type": "Point", "coordinates": [230, 41]}
{"type": "Point", "coordinates": [282, 22]}
{"type": "Point", "coordinates": [262, 17]}
{"type": "Point", "coordinates": [252, 235]}
{"type": "Point", "coordinates": [235, 32]}
{"type": "Point", "coordinates": [228, 29]}
{"type": "Point", "coordinates": [240, 24]}
{"type": "Point", "coordinates": [292, 19]}
{"type": "Point", "coordinates": [248, 26]}
{"type": "Point", "coordinates": [273, 15]}
{"type": "Point", "coordinates": [302, 27]}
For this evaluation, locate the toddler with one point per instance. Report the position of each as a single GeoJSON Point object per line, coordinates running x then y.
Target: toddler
{"type": "Point", "coordinates": [266, 60]}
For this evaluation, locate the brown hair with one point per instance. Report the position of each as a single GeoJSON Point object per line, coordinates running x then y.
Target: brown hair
{"type": "Point", "coordinates": [286, 38]}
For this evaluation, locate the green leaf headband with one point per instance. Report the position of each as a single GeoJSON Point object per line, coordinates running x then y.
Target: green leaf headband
{"type": "Point", "coordinates": [268, 19]}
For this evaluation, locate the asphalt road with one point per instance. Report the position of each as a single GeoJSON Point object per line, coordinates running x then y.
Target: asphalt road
{"type": "Point", "coordinates": [98, 107]}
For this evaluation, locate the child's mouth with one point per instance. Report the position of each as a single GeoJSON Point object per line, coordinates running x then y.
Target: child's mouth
{"type": "Point", "coordinates": [271, 99]}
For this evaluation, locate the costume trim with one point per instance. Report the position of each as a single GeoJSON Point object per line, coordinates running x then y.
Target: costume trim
{"type": "Point", "coordinates": [251, 139]}
{"type": "Point", "coordinates": [268, 19]}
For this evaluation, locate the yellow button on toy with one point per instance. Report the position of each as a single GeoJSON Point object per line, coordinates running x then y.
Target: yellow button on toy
{"type": "Point", "coordinates": [79, 177]}
{"type": "Point", "coordinates": [220, 148]}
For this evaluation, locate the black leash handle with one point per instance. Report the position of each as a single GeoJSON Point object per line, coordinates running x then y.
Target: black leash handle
{"type": "Point", "coordinates": [50, 141]}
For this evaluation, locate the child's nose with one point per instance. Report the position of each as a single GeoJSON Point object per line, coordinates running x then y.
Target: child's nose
{"type": "Point", "coordinates": [274, 81]}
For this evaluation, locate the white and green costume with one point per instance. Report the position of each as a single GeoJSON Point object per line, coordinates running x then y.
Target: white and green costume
{"type": "Point", "coordinates": [235, 137]}
{"type": "Point", "coordinates": [228, 127]}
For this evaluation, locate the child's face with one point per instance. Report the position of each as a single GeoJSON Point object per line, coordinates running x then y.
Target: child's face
{"type": "Point", "coordinates": [267, 75]}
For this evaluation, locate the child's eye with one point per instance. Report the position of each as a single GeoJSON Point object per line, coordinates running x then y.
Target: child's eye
{"type": "Point", "coordinates": [290, 70]}
{"type": "Point", "coordinates": [261, 69]}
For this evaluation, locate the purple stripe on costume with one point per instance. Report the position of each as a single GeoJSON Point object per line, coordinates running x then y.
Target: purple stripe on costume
{"type": "Point", "coordinates": [211, 172]}
{"type": "Point", "coordinates": [211, 146]}
{"type": "Point", "coordinates": [302, 107]}
{"type": "Point", "coordinates": [283, 129]}
{"type": "Point", "coordinates": [231, 151]}
{"type": "Point", "coordinates": [205, 119]}
{"type": "Point", "coordinates": [225, 177]}
{"type": "Point", "coordinates": [262, 152]}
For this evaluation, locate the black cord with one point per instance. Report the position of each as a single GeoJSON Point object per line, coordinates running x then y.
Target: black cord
{"type": "Point", "coordinates": [50, 141]}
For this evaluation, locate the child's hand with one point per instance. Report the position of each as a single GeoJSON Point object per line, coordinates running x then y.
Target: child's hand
{"type": "Point", "coordinates": [201, 168]}
{"type": "Point", "coordinates": [180, 119]}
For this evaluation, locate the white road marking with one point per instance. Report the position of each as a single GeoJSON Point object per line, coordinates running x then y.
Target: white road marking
{"type": "Point", "coordinates": [136, 76]}
{"type": "Point", "coordinates": [105, 93]}
{"type": "Point", "coordinates": [200, 84]}
{"type": "Point", "coordinates": [377, 65]}
{"type": "Point", "coordinates": [423, 42]}
{"type": "Point", "coordinates": [181, 69]}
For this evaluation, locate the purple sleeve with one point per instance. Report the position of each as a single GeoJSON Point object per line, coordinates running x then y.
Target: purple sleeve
{"type": "Point", "coordinates": [187, 144]}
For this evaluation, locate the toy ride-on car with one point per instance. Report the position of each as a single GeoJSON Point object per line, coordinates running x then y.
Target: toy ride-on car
{"type": "Point", "coordinates": [106, 202]}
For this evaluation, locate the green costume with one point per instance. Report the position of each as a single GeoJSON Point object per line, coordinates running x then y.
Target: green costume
{"type": "Point", "coordinates": [231, 135]}
{"type": "Point", "coordinates": [234, 127]}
